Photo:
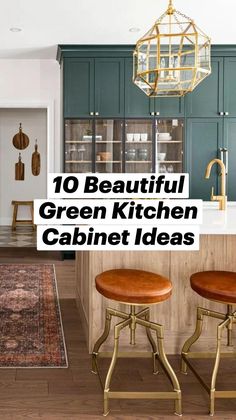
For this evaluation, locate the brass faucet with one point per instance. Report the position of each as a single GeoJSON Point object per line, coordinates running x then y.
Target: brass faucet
{"type": "Point", "coordinates": [221, 198]}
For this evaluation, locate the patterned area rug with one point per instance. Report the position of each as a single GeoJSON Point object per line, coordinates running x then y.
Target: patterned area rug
{"type": "Point", "coordinates": [31, 332]}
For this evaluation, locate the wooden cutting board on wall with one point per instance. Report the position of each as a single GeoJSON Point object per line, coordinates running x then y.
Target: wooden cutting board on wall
{"type": "Point", "coordinates": [19, 170]}
{"type": "Point", "coordinates": [35, 161]}
{"type": "Point", "coordinates": [20, 140]}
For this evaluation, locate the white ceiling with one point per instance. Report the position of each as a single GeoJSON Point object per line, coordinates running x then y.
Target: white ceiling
{"type": "Point", "coordinates": [46, 23]}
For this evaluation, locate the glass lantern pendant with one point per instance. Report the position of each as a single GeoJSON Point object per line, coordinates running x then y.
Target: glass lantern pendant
{"type": "Point", "coordinates": [173, 57]}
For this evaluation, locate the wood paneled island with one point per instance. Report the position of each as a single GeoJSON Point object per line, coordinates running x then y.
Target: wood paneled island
{"type": "Point", "coordinates": [178, 314]}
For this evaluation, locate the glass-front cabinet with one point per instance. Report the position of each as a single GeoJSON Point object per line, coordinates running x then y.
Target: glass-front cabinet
{"type": "Point", "coordinates": [138, 145]}
{"type": "Point", "coordinates": [108, 145]}
{"type": "Point", "coordinates": [79, 145]}
{"type": "Point", "coordinates": [117, 145]}
{"type": "Point", "coordinates": [169, 146]}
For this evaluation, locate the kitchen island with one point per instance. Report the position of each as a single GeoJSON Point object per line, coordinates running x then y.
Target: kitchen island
{"type": "Point", "coordinates": [217, 252]}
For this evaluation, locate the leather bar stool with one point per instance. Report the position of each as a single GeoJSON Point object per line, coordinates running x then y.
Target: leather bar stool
{"type": "Point", "coordinates": [218, 286]}
{"type": "Point", "coordinates": [142, 288]}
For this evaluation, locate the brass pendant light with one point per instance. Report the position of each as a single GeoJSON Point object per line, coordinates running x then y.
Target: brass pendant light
{"type": "Point", "coordinates": [173, 57]}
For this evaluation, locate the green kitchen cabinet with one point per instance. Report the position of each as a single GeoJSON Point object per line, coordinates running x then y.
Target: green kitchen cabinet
{"type": "Point", "coordinates": [93, 87]}
{"type": "Point", "coordinates": [230, 86]}
{"type": "Point", "coordinates": [229, 156]}
{"type": "Point", "coordinates": [216, 95]}
{"type": "Point", "coordinates": [137, 104]}
{"type": "Point", "coordinates": [206, 100]}
{"type": "Point", "coordinates": [209, 138]}
{"type": "Point", "coordinates": [78, 87]}
{"type": "Point", "coordinates": [166, 107]}
{"type": "Point", "coordinates": [109, 87]}
{"type": "Point", "coordinates": [204, 139]}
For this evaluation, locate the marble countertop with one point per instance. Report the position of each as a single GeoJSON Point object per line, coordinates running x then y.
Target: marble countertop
{"type": "Point", "coordinates": [217, 221]}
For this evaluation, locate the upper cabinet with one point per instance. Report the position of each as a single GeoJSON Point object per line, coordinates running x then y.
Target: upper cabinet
{"type": "Point", "coordinates": [216, 95]}
{"type": "Point", "coordinates": [100, 84]}
{"type": "Point", "coordinates": [109, 87]}
{"type": "Point", "coordinates": [78, 87]}
{"type": "Point", "coordinates": [230, 86]}
{"type": "Point", "coordinates": [93, 87]}
{"type": "Point", "coordinates": [137, 104]}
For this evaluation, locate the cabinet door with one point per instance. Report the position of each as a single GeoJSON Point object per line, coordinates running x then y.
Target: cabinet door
{"type": "Point", "coordinates": [139, 155]}
{"type": "Point", "coordinates": [79, 145]}
{"type": "Point", "coordinates": [137, 104]}
{"type": "Point", "coordinates": [207, 98]}
{"type": "Point", "coordinates": [230, 145]}
{"type": "Point", "coordinates": [78, 87]}
{"type": "Point", "coordinates": [204, 137]}
{"type": "Point", "coordinates": [108, 143]}
{"type": "Point", "coordinates": [109, 87]}
{"type": "Point", "coordinates": [230, 86]}
{"type": "Point", "coordinates": [169, 107]}
{"type": "Point", "coordinates": [169, 145]}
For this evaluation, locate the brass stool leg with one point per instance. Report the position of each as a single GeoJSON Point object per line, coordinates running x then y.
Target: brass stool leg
{"type": "Point", "coordinates": [153, 344]}
{"type": "Point", "coordinates": [191, 340]}
{"type": "Point", "coordinates": [117, 330]}
{"type": "Point", "coordinates": [109, 313]}
{"type": "Point", "coordinates": [99, 342]}
{"type": "Point", "coordinates": [229, 329]}
{"type": "Point", "coordinates": [220, 327]}
{"type": "Point", "coordinates": [170, 372]}
{"type": "Point", "coordinates": [132, 325]}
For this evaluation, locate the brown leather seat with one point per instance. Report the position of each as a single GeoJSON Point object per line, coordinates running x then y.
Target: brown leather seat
{"type": "Point", "coordinates": [133, 286]}
{"type": "Point", "coordinates": [215, 285]}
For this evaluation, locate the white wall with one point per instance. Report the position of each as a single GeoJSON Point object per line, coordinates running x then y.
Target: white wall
{"type": "Point", "coordinates": [26, 83]}
{"type": "Point", "coordinates": [34, 123]}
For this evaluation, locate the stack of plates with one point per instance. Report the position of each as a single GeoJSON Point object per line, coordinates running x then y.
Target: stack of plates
{"type": "Point", "coordinates": [164, 136]}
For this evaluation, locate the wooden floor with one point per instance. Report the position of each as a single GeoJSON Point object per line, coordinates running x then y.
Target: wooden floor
{"type": "Point", "coordinates": [74, 393]}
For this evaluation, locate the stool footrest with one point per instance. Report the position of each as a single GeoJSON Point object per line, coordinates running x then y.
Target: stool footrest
{"type": "Point", "coordinates": [143, 395]}
{"type": "Point", "coordinates": [225, 394]}
{"type": "Point", "coordinates": [127, 354]}
{"type": "Point", "coordinates": [206, 355]}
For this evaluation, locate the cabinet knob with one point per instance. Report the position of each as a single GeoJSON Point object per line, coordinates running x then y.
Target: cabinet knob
{"type": "Point", "coordinates": [157, 113]}
{"type": "Point", "coordinates": [96, 113]}
{"type": "Point", "coordinates": [91, 113]}
{"type": "Point", "coordinates": [221, 113]}
{"type": "Point", "coordinates": [226, 113]}
{"type": "Point", "coordinates": [152, 113]}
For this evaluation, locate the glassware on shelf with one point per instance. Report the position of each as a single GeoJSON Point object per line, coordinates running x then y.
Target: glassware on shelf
{"type": "Point", "coordinates": [130, 137]}
{"type": "Point", "coordinates": [72, 153]}
{"type": "Point", "coordinates": [81, 151]}
{"type": "Point", "coordinates": [144, 136]}
{"type": "Point", "coordinates": [162, 168]}
{"type": "Point", "coordinates": [170, 168]}
{"type": "Point", "coordinates": [161, 156]}
{"type": "Point", "coordinates": [131, 154]}
{"type": "Point", "coordinates": [137, 136]}
{"type": "Point", "coordinates": [142, 154]}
